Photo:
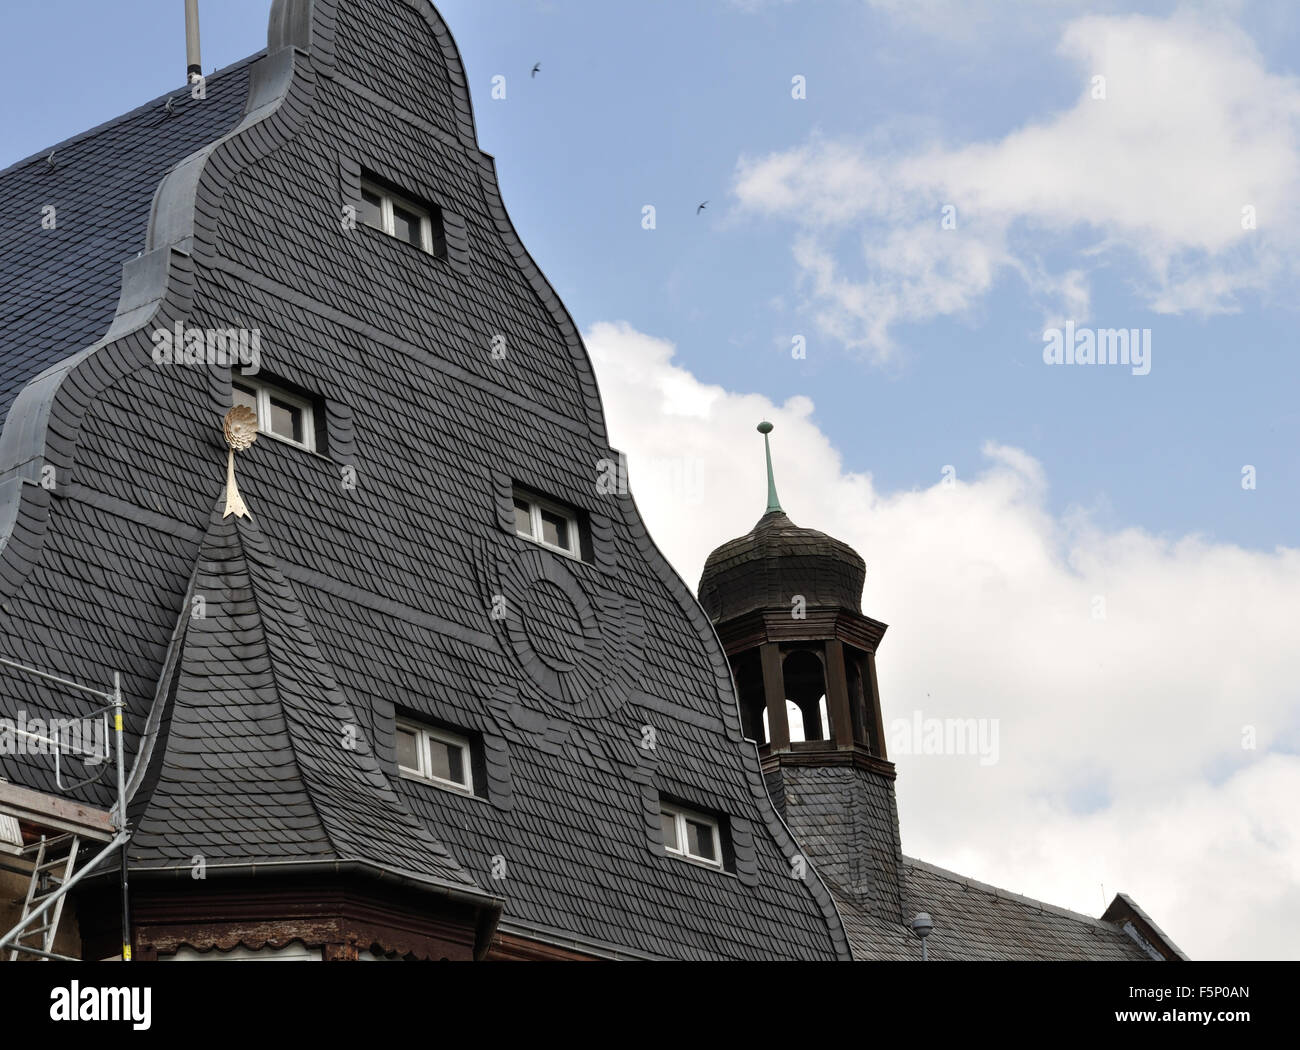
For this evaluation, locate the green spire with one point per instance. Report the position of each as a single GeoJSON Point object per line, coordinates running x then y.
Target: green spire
{"type": "Point", "coordinates": [773, 504]}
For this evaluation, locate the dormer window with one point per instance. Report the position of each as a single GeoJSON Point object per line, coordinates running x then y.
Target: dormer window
{"type": "Point", "coordinates": [553, 525]}
{"type": "Point", "coordinates": [284, 415]}
{"type": "Point", "coordinates": [398, 216]}
{"type": "Point", "coordinates": [691, 835]}
{"type": "Point", "coordinates": [436, 756]}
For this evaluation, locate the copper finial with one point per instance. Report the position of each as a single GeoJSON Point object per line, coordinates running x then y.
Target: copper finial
{"type": "Point", "coordinates": [773, 504]}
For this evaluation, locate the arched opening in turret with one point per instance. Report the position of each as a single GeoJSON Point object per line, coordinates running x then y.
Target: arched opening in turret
{"type": "Point", "coordinates": [805, 692]}
{"type": "Point", "coordinates": [794, 720]}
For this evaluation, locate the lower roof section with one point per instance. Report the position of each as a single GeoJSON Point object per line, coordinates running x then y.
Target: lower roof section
{"type": "Point", "coordinates": [976, 921]}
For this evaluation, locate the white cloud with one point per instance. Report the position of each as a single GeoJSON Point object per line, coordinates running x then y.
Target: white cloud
{"type": "Point", "coordinates": [971, 22]}
{"type": "Point", "coordinates": [1120, 739]}
{"type": "Point", "coordinates": [1193, 129]}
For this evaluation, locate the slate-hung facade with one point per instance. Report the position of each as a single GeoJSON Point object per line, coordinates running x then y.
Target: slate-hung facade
{"type": "Point", "coordinates": [438, 695]}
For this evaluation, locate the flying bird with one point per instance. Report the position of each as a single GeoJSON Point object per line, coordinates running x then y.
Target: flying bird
{"type": "Point", "coordinates": [537, 69]}
{"type": "Point", "coordinates": [701, 207]}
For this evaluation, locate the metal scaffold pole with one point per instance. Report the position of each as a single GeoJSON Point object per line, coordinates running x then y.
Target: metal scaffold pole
{"type": "Point", "coordinates": [119, 724]}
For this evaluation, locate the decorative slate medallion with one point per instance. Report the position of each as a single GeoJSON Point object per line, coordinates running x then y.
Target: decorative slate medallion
{"type": "Point", "coordinates": [574, 639]}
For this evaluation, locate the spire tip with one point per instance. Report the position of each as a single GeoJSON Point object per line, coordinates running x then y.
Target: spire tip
{"type": "Point", "coordinates": [773, 504]}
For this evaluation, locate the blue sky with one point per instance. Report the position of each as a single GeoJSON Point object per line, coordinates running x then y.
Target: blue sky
{"type": "Point", "coordinates": [656, 103]}
{"type": "Point", "coordinates": [641, 103]}
{"type": "Point", "coordinates": [1124, 759]}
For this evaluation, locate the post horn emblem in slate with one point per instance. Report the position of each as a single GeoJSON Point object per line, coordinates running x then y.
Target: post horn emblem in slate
{"type": "Point", "coordinates": [574, 640]}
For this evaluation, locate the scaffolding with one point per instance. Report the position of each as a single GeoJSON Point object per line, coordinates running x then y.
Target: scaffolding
{"type": "Point", "coordinates": [65, 828]}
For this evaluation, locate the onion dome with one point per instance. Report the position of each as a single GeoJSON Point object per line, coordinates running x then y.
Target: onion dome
{"type": "Point", "coordinates": [778, 560]}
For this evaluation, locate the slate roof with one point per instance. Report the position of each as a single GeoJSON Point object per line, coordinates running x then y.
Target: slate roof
{"type": "Point", "coordinates": [359, 599]}
{"type": "Point", "coordinates": [846, 820]}
{"type": "Point", "coordinates": [973, 920]}
{"type": "Point", "coordinates": [256, 763]}
{"type": "Point", "coordinates": [977, 922]}
{"type": "Point", "coordinates": [61, 292]}
{"type": "Point", "coordinates": [101, 185]}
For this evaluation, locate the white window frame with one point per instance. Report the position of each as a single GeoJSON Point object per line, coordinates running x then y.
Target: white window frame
{"type": "Point", "coordinates": [424, 734]}
{"type": "Point", "coordinates": [387, 198]}
{"type": "Point", "coordinates": [680, 815]}
{"type": "Point", "coordinates": [263, 392]}
{"type": "Point", "coordinates": [537, 504]}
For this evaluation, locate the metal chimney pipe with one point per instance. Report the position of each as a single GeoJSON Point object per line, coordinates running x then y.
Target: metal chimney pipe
{"type": "Point", "coordinates": [192, 51]}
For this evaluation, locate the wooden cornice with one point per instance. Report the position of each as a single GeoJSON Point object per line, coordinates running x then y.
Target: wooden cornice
{"type": "Point", "coordinates": [820, 624]}
{"type": "Point", "coordinates": [824, 753]}
{"type": "Point", "coordinates": [341, 917]}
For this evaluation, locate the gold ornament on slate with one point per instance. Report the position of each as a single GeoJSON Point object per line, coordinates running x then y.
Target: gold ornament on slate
{"type": "Point", "coordinates": [240, 428]}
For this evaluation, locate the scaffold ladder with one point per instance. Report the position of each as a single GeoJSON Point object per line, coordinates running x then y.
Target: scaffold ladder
{"type": "Point", "coordinates": [46, 882]}
{"type": "Point", "coordinates": [48, 890]}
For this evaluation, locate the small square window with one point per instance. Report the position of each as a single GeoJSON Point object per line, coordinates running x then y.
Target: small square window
{"type": "Point", "coordinates": [402, 219]}
{"type": "Point", "coordinates": [555, 530]}
{"type": "Point", "coordinates": [446, 761]}
{"type": "Point", "coordinates": [551, 524]}
{"type": "Point", "coordinates": [437, 756]}
{"type": "Point", "coordinates": [699, 840]}
{"type": "Point", "coordinates": [279, 413]}
{"type": "Point", "coordinates": [693, 836]}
